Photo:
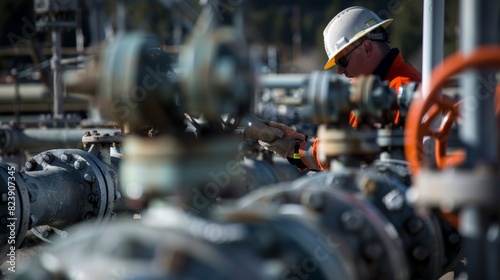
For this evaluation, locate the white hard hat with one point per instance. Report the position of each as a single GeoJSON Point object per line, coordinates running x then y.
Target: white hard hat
{"type": "Point", "coordinates": [347, 27]}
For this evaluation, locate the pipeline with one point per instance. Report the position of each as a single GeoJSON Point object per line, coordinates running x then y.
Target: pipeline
{"type": "Point", "coordinates": [349, 222]}
{"type": "Point", "coordinates": [58, 188]}
{"type": "Point", "coordinates": [35, 140]}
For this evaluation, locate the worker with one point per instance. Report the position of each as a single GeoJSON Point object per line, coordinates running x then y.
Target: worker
{"type": "Point", "coordinates": [357, 42]}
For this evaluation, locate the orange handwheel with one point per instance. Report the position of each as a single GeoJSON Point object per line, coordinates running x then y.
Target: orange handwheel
{"type": "Point", "coordinates": [429, 108]}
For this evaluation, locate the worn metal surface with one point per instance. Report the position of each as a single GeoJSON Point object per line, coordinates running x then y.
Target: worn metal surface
{"type": "Point", "coordinates": [61, 187]}
{"type": "Point", "coordinates": [429, 244]}
{"type": "Point", "coordinates": [371, 241]}
{"type": "Point", "coordinates": [14, 210]}
{"type": "Point", "coordinates": [352, 222]}
{"type": "Point", "coordinates": [176, 246]}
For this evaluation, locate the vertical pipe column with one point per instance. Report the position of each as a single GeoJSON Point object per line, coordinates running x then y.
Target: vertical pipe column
{"type": "Point", "coordinates": [57, 73]}
{"type": "Point", "coordinates": [17, 97]}
{"type": "Point", "coordinates": [432, 41]}
{"type": "Point", "coordinates": [97, 20]}
{"type": "Point", "coordinates": [121, 17]}
{"type": "Point", "coordinates": [79, 33]}
{"type": "Point", "coordinates": [432, 54]}
{"type": "Point", "coordinates": [177, 29]}
{"type": "Point", "coordinates": [479, 26]}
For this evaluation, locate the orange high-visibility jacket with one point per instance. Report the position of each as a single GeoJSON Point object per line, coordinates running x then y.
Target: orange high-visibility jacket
{"type": "Point", "coordinates": [393, 69]}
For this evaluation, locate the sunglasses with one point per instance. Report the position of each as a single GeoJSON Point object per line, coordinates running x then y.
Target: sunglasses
{"type": "Point", "coordinates": [344, 60]}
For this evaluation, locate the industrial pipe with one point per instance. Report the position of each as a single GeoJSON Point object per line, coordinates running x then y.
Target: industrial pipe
{"type": "Point", "coordinates": [13, 139]}
{"type": "Point", "coordinates": [57, 188]}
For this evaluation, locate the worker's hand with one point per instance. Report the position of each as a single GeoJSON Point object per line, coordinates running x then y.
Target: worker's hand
{"type": "Point", "coordinates": [289, 132]}
{"type": "Point", "coordinates": [284, 147]}
{"type": "Point", "coordinates": [257, 129]}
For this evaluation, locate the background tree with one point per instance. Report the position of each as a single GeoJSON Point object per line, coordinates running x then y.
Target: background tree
{"type": "Point", "coordinates": [293, 28]}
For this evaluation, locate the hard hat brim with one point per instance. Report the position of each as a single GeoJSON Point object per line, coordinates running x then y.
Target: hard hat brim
{"type": "Point", "coordinates": [331, 62]}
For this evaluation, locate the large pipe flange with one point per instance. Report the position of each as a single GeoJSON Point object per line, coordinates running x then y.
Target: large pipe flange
{"type": "Point", "coordinates": [57, 188]}
{"type": "Point", "coordinates": [430, 246]}
{"type": "Point", "coordinates": [14, 211]}
{"type": "Point", "coordinates": [169, 245]}
{"type": "Point", "coordinates": [97, 182]}
{"type": "Point", "coordinates": [372, 242]}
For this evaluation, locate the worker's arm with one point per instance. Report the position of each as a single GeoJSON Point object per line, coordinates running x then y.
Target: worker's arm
{"type": "Point", "coordinates": [299, 149]}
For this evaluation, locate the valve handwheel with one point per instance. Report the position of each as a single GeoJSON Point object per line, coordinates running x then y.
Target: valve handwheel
{"type": "Point", "coordinates": [423, 112]}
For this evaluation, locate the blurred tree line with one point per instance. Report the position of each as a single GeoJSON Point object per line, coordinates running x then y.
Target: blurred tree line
{"type": "Point", "coordinates": [294, 28]}
{"type": "Point", "coordinates": [272, 22]}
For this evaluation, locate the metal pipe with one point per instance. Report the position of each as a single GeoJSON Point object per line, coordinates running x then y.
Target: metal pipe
{"type": "Point", "coordinates": [283, 80]}
{"type": "Point", "coordinates": [121, 17]}
{"type": "Point", "coordinates": [34, 98]}
{"type": "Point", "coordinates": [36, 139]}
{"type": "Point", "coordinates": [479, 26]}
{"type": "Point", "coordinates": [56, 199]}
{"type": "Point", "coordinates": [73, 60]}
{"type": "Point", "coordinates": [57, 74]}
{"type": "Point", "coordinates": [432, 54]}
{"type": "Point", "coordinates": [17, 98]}
{"type": "Point", "coordinates": [432, 46]}
{"type": "Point", "coordinates": [96, 20]}
{"type": "Point", "coordinates": [57, 188]}
{"type": "Point", "coordinates": [177, 29]}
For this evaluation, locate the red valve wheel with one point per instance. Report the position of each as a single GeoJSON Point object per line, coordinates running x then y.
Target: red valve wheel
{"type": "Point", "coordinates": [423, 112]}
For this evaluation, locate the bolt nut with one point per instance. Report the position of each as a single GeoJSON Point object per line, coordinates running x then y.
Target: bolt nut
{"type": "Point", "coordinates": [89, 216]}
{"type": "Point", "coordinates": [414, 225]}
{"type": "Point", "coordinates": [33, 220]}
{"type": "Point", "coordinates": [352, 220]}
{"type": "Point", "coordinates": [89, 178]}
{"type": "Point", "coordinates": [339, 182]}
{"type": "Point", "coordinates": [30, 165]}
{"type": "Point", "coordinates": [48, 157]}
{"type": "Point", "coordinates": [79, 164]}
{"type": "Point", "coordinates": [93, 198]}
{"type": "Point", "coordinates": [372, 250]}
{"type": "Point", "coordinates": [367, 186]}
{"type": "Point", "coordinates": [420, 253]}
{"type": "Point", "coordinates": [394, 200]}
{"type": "Point", "coordinates": [66, 157]}
{"type": "Point", "coordinates": [315, 201]}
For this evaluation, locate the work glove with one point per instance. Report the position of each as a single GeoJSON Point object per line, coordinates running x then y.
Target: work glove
{"type": "Point", "coordinates": [285, 146]}
{"type": "Point", "coordinates": [257, 129]}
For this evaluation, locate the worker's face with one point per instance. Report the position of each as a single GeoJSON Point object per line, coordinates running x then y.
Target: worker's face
{"type": "Point", "coordinates": [353, 61]}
